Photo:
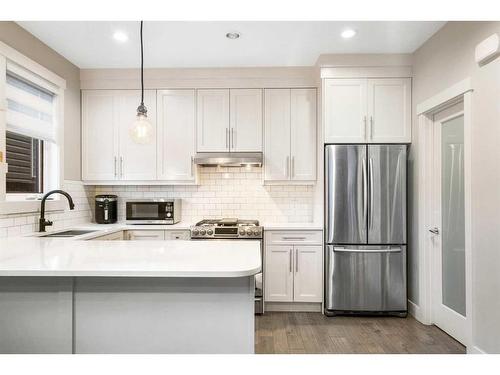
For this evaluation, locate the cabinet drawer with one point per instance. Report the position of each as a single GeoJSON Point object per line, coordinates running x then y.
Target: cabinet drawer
{"type": "Point", "coordinates": [177, 235]}
{"type": "Point", "coordinates": [110, 237]}
{"type": "Point", "coordinates": [311, 237]}
{"type": "Point", "coordinates": [145, 235]}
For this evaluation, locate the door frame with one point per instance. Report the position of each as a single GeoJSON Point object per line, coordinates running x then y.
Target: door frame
{"type": "Point", "coordinates": [461, 91]}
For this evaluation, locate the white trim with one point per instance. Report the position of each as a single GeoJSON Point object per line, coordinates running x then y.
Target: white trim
{"type": "Point", "coordinates": [462, 91]}
{"type": "Point", "coordinates": [473, 349]}
{"type": "Point", "coordinates": [139, 182]}
{"type": "Point", "coordinates": [293, 306]}
{"type": "Point", "coordinates": [31, 65]}
{"type": "Point", "coordinates": [415, 311]}
{"type": "Point", "coordinates": [367, 72]}
{"type": "Point", "coordinates": [445, 97]}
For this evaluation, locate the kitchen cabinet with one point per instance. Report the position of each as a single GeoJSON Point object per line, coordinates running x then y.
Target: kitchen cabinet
{"type": "Point", "coordinates": [177, 235]}
{"type": "Point", "coordinates": [245, 120]}
{"type": "Point", "coordinates": [117, 236]}
{"type": "Point", "coordinates": [290, 135]}
{"type": "Point", "coordinates": [229, 120]}
{"type": "Point", "coordinates": [213, 120]}
{"type": "Point", "coordinates": [108, 152]}
{"type": "Point", "coordinates": [145, 235]}
{"type": "Point", "coordinates": [363, 110]}
{"type": "Point", "coordinates": [293, 267]}
{"type": "Point", "coordinates": [176, 144]}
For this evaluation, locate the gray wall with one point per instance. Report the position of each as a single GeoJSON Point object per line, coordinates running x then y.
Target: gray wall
{"type": "Point", "coordinates": [445, 59]}
{"type": "Point", "coordinates": [19, 39]}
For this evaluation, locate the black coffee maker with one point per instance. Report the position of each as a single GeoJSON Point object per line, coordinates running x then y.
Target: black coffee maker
{"type": "Point", "coordinates": [106, 209]}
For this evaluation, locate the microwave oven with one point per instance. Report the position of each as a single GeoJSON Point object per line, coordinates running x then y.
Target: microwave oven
{"type": "Point", "coordinates": [153, 211]}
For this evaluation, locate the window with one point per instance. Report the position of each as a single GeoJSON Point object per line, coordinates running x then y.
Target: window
{"type": "Point", "coordinates": [31, 135]}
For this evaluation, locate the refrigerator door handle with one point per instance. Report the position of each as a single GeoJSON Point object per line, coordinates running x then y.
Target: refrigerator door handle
{"type": "Point", "coordinates": [365, 192]}
{"type": "Point", "coordinates": [370, 172]}
{"type": "Point", "coordinates": [339, 249]}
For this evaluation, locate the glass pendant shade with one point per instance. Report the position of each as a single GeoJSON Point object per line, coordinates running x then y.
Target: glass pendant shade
{"type": "Point", "coordinates": [141, 130]}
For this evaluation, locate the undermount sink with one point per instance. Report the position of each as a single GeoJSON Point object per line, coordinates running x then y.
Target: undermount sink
{"type": "Point", "coordinates": [69, 233]}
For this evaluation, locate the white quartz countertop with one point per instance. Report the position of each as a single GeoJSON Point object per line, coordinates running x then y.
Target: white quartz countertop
{"type": "Point", "coordinates": [292, 226]}
{"type": "Point", "coordinates": [35, 256]}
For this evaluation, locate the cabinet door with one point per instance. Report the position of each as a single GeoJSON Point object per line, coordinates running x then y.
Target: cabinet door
{"type": "Point", "coordinates": [246, 120]}
{"type": "Point", "coordinates": [277, 135]}
{"type": "Point", "coordinates": [389, 110]}
{"type": "Point", "coordinates": [303, 135]}
{"type": "Point", "coordinates": [145, 235]}
{"type": "Point", "coordinates": [176, 134]}
{"type": "Point", "coordinates": [213, 120]}
{"type": "Point", "coordinates": [308, 278]}
{"type": "Point", "coordinates": [136, 161]}
{"type": "Point", "coordinates": [279, 273]}
{"type": "Point", "coordinates": [345, 110]}
{"type": "Point", "coordinates": [99, 135]}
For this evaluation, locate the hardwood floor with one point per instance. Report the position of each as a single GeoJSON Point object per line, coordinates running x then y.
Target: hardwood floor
{"type": "Point", "coordinates": [292, 332]}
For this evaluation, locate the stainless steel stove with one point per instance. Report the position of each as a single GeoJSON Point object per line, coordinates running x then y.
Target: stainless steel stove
{"type": "Point", "coordinates": [234, 229]}
{"type": "Point", "coordinates": [227, 228]}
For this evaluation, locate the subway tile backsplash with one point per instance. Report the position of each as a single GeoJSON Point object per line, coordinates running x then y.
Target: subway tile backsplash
{"type": "Point", "coordinates": [227, 192]}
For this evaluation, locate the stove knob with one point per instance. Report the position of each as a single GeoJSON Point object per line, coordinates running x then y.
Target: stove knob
{"type": "Point", "coordinates": [203, 232]}
{"type": "Point", "coordinates": [195, 232]}
{"type": "Point", "coordinates": [242, 232]}
{"type": "Point", "coordinates": [255, 232]}
{"type": "Point", "coordinates": [169, 214]}
{"type": "Point", "coordinates": [210, 232]}
{"type": "Point", "coordinates": [249, 232]}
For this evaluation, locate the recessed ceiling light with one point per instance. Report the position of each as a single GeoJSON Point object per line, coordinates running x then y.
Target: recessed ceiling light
{"type": "Point", "coordinates": [233, 35]}
{"type": "Point", "coordinates": [348, 33]}
{"type": "Point", "coordinates": [120, 36]}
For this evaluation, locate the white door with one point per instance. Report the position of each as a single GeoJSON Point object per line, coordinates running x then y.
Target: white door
{"type": "Point", "coordinates": [136, 161]}
{"type": "Point", "coordinates": [345, 110]}
{"type": "Point", "coordinates": [303, 135]}
{"type": "Point", "coordinates": [389, 110]}
{"type": "Point", "coordinates": [308, 279]}
{"type": "Point", "coordinates": [448, 234]}
{"type": "Point", "coordinates": [176, 134]}
{"type": "Point", "coordinates": [246, 120]}
{"type": "Point", "coordinates": [279, 273]}
{"type": "Point", "coordinates": [99, 136]}
{"type": "Point", "coordinates": [213, 120]}
{"type": "Point", "coordinates": [277, 134]}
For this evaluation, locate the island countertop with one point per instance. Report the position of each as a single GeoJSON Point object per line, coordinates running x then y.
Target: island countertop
{"type": "Point", "coordinates": [35, 256]}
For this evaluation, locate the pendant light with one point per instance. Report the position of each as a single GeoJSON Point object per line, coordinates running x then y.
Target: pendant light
{"type": "Point", "coordinates": [141, 130]}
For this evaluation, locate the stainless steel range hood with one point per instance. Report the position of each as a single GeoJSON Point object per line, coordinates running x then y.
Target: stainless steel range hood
{"type": "Point", "coordinates": [229, 159]}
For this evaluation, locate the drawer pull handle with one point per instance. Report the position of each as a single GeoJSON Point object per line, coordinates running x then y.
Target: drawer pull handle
{"type": "Point", "coordinates": [294, 238]}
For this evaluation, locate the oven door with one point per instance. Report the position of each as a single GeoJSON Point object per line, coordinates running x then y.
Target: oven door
{"type": "Point", "coordinates": [145, 211]}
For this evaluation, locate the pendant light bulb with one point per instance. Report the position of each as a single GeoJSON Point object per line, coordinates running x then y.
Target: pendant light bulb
{"type": "Point", "coordinates": [141, 130]}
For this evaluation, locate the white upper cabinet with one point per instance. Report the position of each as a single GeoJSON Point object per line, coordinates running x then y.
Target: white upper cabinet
{"type": "Point", "coordinates": [213, 120]}
{"type": "Point", "coordinates": [108, 152]}
{"type": "Point", "coordinates": [303, 135]}
{"type": "Point", "coordinates": [290, 135]}
{"type": "Point", "coordinates": [136, 161]}
{"type": "Point", "coordinates": [345, 110]}
{"type": "Point", "coordinates": [245, 120]}
{"type": "Point", "coordinates": [99, 136]}
{"type": "Point", "coordinates": [367, 110]}
{"type": "Point", "coordinates": [389, 110]}
{"type": "Point", "coordinates": [277, 134]}
{"type": "Point", "coordinates": [176, 134]}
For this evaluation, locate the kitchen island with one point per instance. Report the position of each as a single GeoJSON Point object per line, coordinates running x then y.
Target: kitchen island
{"type": "Point", "coordinates": [75, 296]}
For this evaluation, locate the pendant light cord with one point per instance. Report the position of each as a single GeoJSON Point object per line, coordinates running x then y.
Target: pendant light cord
{"type": "Point", "coordinates": [142, 69]}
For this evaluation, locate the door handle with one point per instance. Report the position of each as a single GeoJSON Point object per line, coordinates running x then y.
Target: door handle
{"type": "Point", "coordinates": [370, 171]}
{"type": "Point", "coordinates": [115, 168]}
{"type": "Point", "coordinates": [296, 260]}
{"type": "Point", "coordinates": [292, 163]}
{"type": "Point", "coordinates": [227, 138]}
{"type": "Point", "coordinates": [121, 166]}
{"type": "Point", "coordinates": [364, 127]}
{"type": "Point", "coordinates": [371, 127]}
{"type": "Point", "coordinates": [365, 192]}
{"type": "Point", "coordinates": [192, 161]}
{"type": "Point", "coordinates": [287, 166]}
{"type": "Point", "coordinates": [232, 138]}
{"type": "Point", "coordinates": [290, 260]}
{"type": "Point", "coordinates": [344, 250]}
{"type": "Point", "coordinates": [434, 230]}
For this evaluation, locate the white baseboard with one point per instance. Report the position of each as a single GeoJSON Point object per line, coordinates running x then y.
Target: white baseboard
{"type": "Point", "coordinates": [293, 306]}
{"type": "Point", "coordinates": [415, 311]}
{"type": "Point", "coordinates": [475, 350]}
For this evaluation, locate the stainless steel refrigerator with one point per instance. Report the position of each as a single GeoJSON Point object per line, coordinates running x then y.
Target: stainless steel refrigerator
{"type": "Point", "coordinates": [365, 229]}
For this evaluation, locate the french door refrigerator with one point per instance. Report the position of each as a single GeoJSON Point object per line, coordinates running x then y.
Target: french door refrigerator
{"type": "Point", "coordinates": [365, 229]}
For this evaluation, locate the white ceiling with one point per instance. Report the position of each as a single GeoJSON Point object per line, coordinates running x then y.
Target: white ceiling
{"type": "Point", "coordinates": [203, 44]}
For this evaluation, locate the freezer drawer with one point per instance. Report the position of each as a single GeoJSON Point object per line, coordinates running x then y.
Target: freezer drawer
{"type": "Point", "coordinates": [366, 278]}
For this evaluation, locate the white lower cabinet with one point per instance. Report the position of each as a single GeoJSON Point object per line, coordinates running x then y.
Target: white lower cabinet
{"type": "Point", "coordinates": [293, 272]}
{"type": "Point", "coordinates": [177, 235]}
{"type": "Point", "coordinates": [145, 235]}
{"type": "Point", "coordinates": [110, 237]}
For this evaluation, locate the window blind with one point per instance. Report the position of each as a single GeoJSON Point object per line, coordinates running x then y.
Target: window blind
{"type": "Point", "coordinates": [30, 109]}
